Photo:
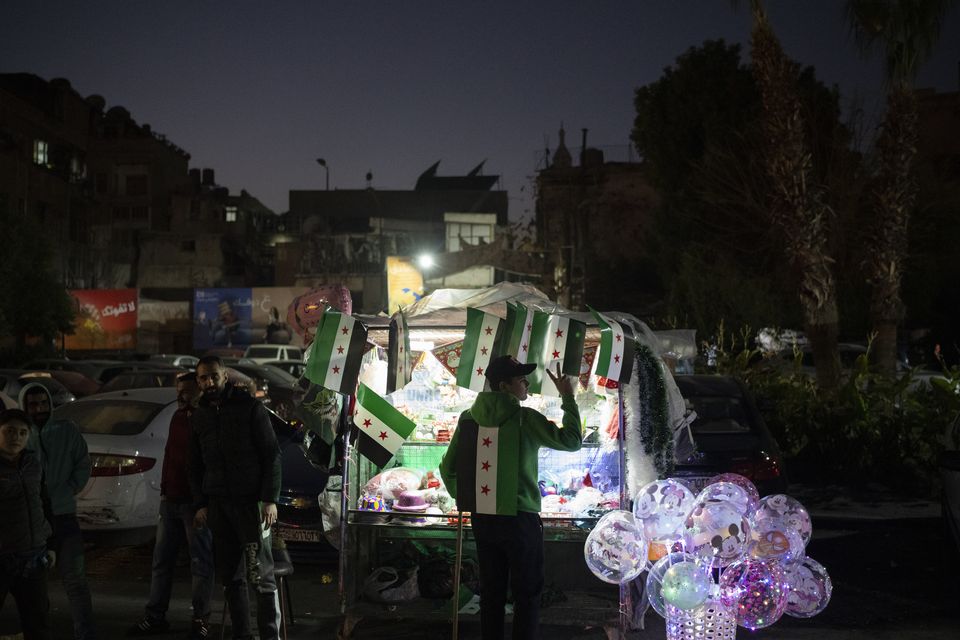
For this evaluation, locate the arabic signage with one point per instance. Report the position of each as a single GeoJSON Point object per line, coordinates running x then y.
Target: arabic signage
{"type": "Point", "coordinates": [106, 319]}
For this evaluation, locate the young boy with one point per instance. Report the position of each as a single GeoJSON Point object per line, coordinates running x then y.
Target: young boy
{"type": "Point", "coordinates": [25, 534]}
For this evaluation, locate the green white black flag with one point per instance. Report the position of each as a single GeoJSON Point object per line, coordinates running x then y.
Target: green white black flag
{"type": "Point", "coordinates": [480, 344]}
{"type": "Point", "coordinates": [379, 429]}
{"type": "Point", "coordinates": [333, 361]}
{"type": "Point", "coordinates": [554, 339]}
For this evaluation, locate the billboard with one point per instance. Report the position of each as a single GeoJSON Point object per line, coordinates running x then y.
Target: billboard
{"type": "Point", "coordinates": [238, 317]}
{"type": "Point", "coordinates": [106, 319]}
{"type": "Point", "coordinates": [404, 283]}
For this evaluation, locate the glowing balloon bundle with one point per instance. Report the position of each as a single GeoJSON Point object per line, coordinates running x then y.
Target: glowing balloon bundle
{"type": "Point", "coordinates": [723, 550]}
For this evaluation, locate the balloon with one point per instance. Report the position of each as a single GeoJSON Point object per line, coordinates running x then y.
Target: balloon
{"type": "Point", "coordinates": [686, 585]}
{"type": "Point", "coordinates": [758, 590]}
{"type": "Point", "coordinates": [659, 570]}
{"type": "Point", "coordinates": [742, 482]}
{"type": "Point", "coordinates": [716, 527]}
{"type": "Point", "coordinates": [661, 507]}
{"type": "Point", "coordinates": [810, 589]}
{"type": "Point", "coordinates": [306, 311]}
{"type": "Point", "coordinates": [615, 550]}
{"type": "Point", "coordinates": [792, 512]}
{"type": "Point", "coordinates": [773, 539]}
{"type": "Point", "coordinates": [736, 495]}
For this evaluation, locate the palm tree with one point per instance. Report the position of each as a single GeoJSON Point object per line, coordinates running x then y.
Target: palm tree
{"type": "Point", "coordinates": [906, 32]}
{"type": "Point", "coordinates": [796, 206]}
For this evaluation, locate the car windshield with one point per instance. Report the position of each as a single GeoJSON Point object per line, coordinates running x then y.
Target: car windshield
{"type": "Point", "coordinates": [719, 414]}
{"type": "Point", "coordinates": [109, 417]}
{"type": "Point", "coordinates": [262, 352]}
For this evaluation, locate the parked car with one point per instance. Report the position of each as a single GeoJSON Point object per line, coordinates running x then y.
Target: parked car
{"type": "Point", "coordinates": [13, 380]}
{"type": "Point", "coordinates": [261, 353]}
{"type": "Point", "coordinates": [281, 388]}
{"type": "Point", "coordinates": [143, 379]}
{"type": "Point", "coordinates": [730, 435]}
{"type": "Point", "coordinates": [126, 432]}
{"type": "Point", "coordinates": [78, 384]}
{"type": "Point", "coordinates": [93, 369]}
{"type": "Point", "coordinates": [177, 360]}
{"type": "Point", "coordinates": [293, 368]}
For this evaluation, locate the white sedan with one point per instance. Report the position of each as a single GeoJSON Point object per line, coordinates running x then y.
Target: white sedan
{"type": "Point", "coordinates": [126, 432]}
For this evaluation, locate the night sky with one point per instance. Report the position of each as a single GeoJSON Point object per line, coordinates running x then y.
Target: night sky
{"type": "Point", "coordinates": [259, 90]}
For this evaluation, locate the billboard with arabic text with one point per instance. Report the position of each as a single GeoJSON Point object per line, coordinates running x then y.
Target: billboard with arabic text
{"type": "Point", "coordinates": [106, 319]}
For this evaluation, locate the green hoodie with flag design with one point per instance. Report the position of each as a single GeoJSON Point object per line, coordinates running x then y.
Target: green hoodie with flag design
{"type": "Point", "coordinates": [491, 463]}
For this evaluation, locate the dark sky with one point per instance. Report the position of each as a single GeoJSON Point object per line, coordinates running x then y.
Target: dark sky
{"type": "Point", "coordinates": [258, 90]}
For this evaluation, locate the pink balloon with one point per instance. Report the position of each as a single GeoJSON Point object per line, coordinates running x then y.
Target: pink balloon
{"type": "Point", "coordinates": [758, 590]}
{"type": "Point", "coordinates": [306, 311]}
{"type": "Point", "coordinates": [743, 482]}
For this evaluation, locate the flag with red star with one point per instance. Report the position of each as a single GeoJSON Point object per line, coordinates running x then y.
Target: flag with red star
{"type": "Point", "coordinates": [379, 429]}
{"type": "Point", "coordinates": [480, 345]}
{"type": "Point", "coordinates": [487, 466]}
{"type": "Point", "coordinates": [333, 361]}
{"type": "Point", "coordinates": [554, 339]}
{"type": "Point", "coordinates": [399, 360]}
{"type": "Point", "coordinates": [516, 339]}
{"type": "Point", "coordinates": [614, 360]}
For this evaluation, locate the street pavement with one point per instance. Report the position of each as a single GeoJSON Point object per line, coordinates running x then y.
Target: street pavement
{"type": "Point", "coordinates": [895, 575]}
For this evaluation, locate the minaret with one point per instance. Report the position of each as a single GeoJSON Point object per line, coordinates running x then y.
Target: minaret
{"type": "Point", "coordinates": [561, 157]}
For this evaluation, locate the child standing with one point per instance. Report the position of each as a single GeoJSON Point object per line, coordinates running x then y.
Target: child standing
{"type": "Point", "coordinates": [24, 536]}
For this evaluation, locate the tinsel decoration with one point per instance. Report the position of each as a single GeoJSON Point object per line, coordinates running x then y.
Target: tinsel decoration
{"type": "Point", "coordinates": [654, 418]}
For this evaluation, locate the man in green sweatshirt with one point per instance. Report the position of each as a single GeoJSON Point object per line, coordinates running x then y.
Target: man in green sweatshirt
{"type": "Point", "coordinates": [491, 469]}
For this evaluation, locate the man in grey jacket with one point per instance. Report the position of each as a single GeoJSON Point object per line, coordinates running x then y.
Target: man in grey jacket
{"type": "Point", "coordinates": [66, 466]}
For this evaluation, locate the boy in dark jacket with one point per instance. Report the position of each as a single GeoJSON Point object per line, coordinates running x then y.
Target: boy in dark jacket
{"type": "Point", "coordinates": [234, 467]}
{"type": "Point", "coordinates": [26, 532]}
{"type": "Point", "coordinates": [491, 468]}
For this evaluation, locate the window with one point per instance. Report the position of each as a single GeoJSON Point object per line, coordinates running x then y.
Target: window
{"type": "Point", "coordinates": [471, 234]}
{"type": "Point", "coordinates": [190, 246]}
{"type": "Point", "coordinates": [102, 184]}
{"type": "Point", "coordinates": [41, 152]}
{"type": "Point", "coordinates": [137, 185]}
{"type": "Point", "coordinates": [230, 214]}
{"type": "Point", "coordinates": [139, 213]}
{"type": "Point", "coordinates": [121, 213]}
{"type": "Point", "coordinates": [194, 209]}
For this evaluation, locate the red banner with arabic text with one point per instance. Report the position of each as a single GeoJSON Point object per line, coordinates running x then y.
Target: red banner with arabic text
{"type": "Point", "coordinates": [106, 319]}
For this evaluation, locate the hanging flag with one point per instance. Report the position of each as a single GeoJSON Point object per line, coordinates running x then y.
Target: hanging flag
{"type": "Point", "coordinates": [586, 365]}
{"type": "Point", "coordinates": [399, 360]}
{"type": "Point", "coordinates": [480, 343]}
{"type": "Point", "coordinates": [333, 361]}
{"type": "Point", "coordinates": [554, 339]}
{"type": "Point", "coordinates": [516, 340]}
{"type": "Point", "coordinates": [614, 360]}
{"type": "Point", "coordinates": [379, 429]}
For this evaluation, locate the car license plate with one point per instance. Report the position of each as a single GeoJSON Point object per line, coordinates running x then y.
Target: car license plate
{"type": "Point", "coordinates": [288, 534]}
{"type": "Point", "coordinates": [695, 483]}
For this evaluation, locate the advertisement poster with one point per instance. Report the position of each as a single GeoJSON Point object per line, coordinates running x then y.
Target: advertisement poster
{"type": "Point", "coordinates": [404, 283]}
{"type": "Point", "coordinates": [106, 319]}
{"type": "Point", "coordinates": [237, 318]}
{"type": "Point", "coordinates": [221, 318]}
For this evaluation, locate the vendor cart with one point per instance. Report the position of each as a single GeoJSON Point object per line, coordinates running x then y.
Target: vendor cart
{"type": "Point", "coordinates": [380, 543]}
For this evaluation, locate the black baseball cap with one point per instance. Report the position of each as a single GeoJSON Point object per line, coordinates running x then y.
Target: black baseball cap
{"type": "Point", "coordinates": [503, 368]}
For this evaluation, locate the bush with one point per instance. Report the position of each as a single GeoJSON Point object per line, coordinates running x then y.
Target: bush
{"type": "Point", "coordinates": [871, 430]}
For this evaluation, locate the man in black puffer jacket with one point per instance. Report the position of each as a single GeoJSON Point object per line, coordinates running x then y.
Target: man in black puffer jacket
{"type": "Point", "coordinates": [26, 532]}
{"type": "Point", "coordinates": [234, 465]}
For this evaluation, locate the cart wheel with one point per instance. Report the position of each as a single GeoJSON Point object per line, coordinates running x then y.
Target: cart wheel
{"type": "Point", "coordinates": [346, 627]}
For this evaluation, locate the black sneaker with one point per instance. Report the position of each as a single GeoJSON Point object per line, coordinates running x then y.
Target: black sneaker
{"type": "Point", "coordinates": [148, 627]}
{"type": "Point", "coordinates": [199, 630]}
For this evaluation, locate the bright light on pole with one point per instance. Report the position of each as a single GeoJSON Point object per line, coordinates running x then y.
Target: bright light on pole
{"type": "Point", "coordinates": [425, 261]}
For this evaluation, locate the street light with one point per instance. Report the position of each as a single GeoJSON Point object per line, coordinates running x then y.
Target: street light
{"type": "Point", "coordinates": [326, 170]}
{"type": "Point", "coordinates": [425, 261]}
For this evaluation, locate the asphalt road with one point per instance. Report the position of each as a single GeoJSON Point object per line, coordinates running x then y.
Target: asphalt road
{"type": "Point", "coordinates": [893, 577]}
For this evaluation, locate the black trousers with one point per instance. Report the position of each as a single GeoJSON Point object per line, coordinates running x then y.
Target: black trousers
{"type": "Point", "coordinates": [23, 578]}
{"type": "Point", "coordinates": [510, 550]}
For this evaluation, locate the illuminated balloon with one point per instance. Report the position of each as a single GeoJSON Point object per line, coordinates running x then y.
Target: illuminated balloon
{"type": "Point", "coordinates": [716, 527]}
{"type": "Point", "coordinates": [742, 482]}
{"type": "Point", "coordinates": [736, 495]}
{"type": "Point", "coordinates": [661, 507]}
{"type": "Point", "coordinates": [758, 590]}
{"type": "Point", "coordinates": [810, 589]}
{"type": "Point", "coordinates": [773, 539]}
{"type": "Point", "coordinates": [686, 585]}
{"type": "Point", "coordinates": [615, 550]}
{"type": "Point", "coordinates": [792, 512]}
{"type": "Point", "coordinates": [655, 578]}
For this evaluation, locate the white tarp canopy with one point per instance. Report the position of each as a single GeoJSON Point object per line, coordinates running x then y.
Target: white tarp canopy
{"type": "Point", "coordinates": [448, 307]}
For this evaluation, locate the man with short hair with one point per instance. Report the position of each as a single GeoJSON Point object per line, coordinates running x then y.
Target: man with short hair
{"type": "Point", "coordinates": [176, 527]}
{"type": "Point", "coordinates": [66, 466]}
{"type": "Point", "coordinates": [234, 467]}
{"type": "Point", "coordinates": [491, 468]}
